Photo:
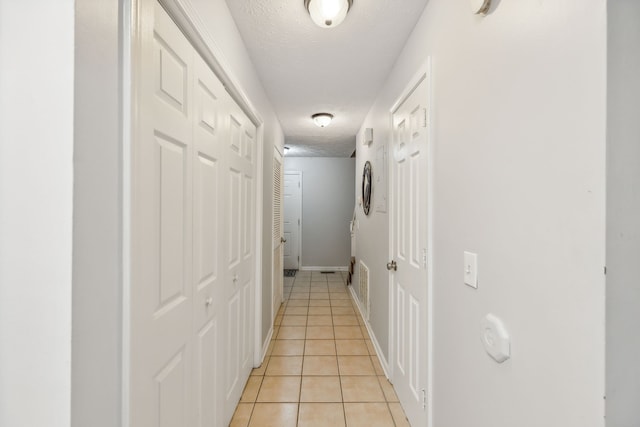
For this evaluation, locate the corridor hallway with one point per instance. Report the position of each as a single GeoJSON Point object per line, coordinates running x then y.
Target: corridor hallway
{"type": "Point", "coordinates": [321, 369]}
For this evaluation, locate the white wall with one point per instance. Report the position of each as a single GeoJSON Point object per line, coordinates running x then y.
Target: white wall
{"type": "Point", "coordinates": [223, 31]}
{"type": "Point", "coordinates": [623, 214]}
{"type": "Point", "coordinates": [97, 288]}
{"type": "Point", "coordinates": [327, 208]}
{"type": "Point", "coordinates": [518, 126]}
{"type": "Point", "coordinates": [36, 189]}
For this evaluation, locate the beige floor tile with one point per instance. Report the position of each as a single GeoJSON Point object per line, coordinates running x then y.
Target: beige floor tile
{"type": "Point", "coordinates": [348, 332]}
{"type": "Point", "coordinates": [296, 311]}
{"type": "Point", "coordinates": [376, 365]}
{"type": "Point", "coordinates": [320, 365]}
{"type": "Point", "coordinates": [387, 389]}
{"type": "Point", "coordinates": [342, 311]}
{"type": "Point", "coordinates": [345, 320]}
{"type": "Point", "coordinates": [288, 348]}
{"type": "Point", "coordinates": [321, 389]}
{"type": "Point", "coordinates": [398, 415]}
{"type": "Point", "coordinates": [274, 415]}
{"type": "Point", "coordinates": [341, 303]}
{"type": "Point", "coordinates": [321, 415]}
{"type": "Point", "coordinates": [292, 332]}
{"type": "Point", "coordinates": [251, 389]}
{"type": "Point", "coordinates": [340, 295]}
{"type": "Point", "coordinates": [320, 348]}
{"type": "Point", "coordinates": [242, 415]}
{"type": "Point", "coordinates": [280, 310]}
{"type": "Point", "coordinates": [299, 295]}
{"type": "Point", "coordinates": [354, 365]}
{"type": "Point", "coordinates": [319, 321]}
{"type": "Point", "coordinates": [319, 295]}
{"type": "Point", "coordinates": [351, 348]}
{"type": "Point", "coordinates": [298, 303]}
{"type": "Point", "coordinates": [319, 303]}
{"type": "Point", "coordinates": [319, 311]}
{"type": "Point", "coordinates": [284, 365]}
{"type": "Point", "coordinates": [260, 371]}
{"type": "Point", "coordinates": [318, 288]}
{"type": "Point", "coordinates": [367, 415]}
{"type": "Point", "coordinates": [270, 347]}
{"type": "Point", "coordinates": [361, 389]}
{"type": "Point", "coordinates": [372, 349]}
{"type": "Point", "coordinates": [319, 332]}
{"type": "Point", "coordinates": [294, 321]}
{"type": "Point", "coordinates": [277, 320]}
{"type": "Point", "coordinates": [280, 389]}
{"type": "Point", "coordinates": [365, 333]}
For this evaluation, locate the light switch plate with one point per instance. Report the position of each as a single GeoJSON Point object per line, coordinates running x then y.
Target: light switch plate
{"type": "Point", "coordinates": [471, 269]}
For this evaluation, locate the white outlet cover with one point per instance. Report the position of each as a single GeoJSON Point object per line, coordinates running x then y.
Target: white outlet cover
{"type": "Point", "coordinates": [495, 338]}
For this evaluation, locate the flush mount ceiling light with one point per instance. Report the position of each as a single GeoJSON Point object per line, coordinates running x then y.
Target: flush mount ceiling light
{"type": "Point", "coordinates": [328, 13]}
{"type": "Point", "coordinates": [322, 119]}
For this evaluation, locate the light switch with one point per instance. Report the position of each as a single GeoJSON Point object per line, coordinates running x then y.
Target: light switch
{"type": "Point", "coordinates": [471, 269]}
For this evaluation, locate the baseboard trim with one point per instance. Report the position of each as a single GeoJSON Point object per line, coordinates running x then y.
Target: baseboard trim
{"type": "Point", "coordinates": [374, 340]}
{"type": "Point", "coordinates": [342, 268]}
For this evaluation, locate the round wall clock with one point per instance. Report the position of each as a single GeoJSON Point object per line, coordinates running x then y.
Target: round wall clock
{"type": "Point", "coordinates": [366, 188]}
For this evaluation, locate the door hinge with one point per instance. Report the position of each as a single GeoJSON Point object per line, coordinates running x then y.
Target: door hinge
{"type": "Point", "coordinates": [298, 222]}
{"type": "Point", "coordinates": [299, 184]}
{"type": "Point", "coordinates": [424, 257]}
{"type": "Point", "coordinates": [605, 270]}
{"type": "Point", "coordinates": [424, 399]}
{"type": "Point", "coordinates": [424, 118]}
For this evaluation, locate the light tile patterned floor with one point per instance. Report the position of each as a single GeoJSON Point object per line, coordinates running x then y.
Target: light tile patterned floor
{"type": "Point", "coordinates": [321, 369]}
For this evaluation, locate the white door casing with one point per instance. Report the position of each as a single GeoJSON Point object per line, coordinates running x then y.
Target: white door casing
{"type": "Point", "coordinates": [410, 249]}
{"type": "Point", "coordinates": [292, 219]}
{"type": "Point", "coordinates": [193, 236]}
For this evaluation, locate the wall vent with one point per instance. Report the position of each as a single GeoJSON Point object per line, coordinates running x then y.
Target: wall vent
{"type": "Point", "coordinates": [364, 290]}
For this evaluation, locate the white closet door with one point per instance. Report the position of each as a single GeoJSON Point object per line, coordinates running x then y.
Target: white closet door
{"type": "Point", "coordinates": [161, 294]}
{"type": "Point", "coordinates": [193, 236]}
{"type": "Point", "coordinates": [240, 149]}
{"type": "Point", "coordinates": [209, 184]}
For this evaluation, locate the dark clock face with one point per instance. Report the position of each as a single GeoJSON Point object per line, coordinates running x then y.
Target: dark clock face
{"type": "Point", "coordinates": [366, 188]}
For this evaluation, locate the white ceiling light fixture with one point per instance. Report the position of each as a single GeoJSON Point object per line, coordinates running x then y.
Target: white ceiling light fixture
{"type": "Point", "coordinates": [322, 119]}
{"type": "Point", "coordinates": [328, 13]}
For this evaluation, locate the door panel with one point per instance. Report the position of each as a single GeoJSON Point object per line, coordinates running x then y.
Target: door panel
{"type": "Point", "coordinates": [292, 219]}
{"type": "Point", "coordinates": [409, 249]}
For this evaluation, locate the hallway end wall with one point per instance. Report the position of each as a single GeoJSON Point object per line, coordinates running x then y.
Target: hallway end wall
{"type": "Point", "coordinates": [518, 134]}
{"type": "Point", "coordinates": [327, 208]}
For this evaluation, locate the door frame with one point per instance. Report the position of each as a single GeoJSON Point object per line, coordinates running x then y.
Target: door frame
{"type": "Point", "coordinates": [423, 74]}
{"type": "Point", "coordinates": [192, 26]}
{"type": "Point", "coordinates": [299, 173]}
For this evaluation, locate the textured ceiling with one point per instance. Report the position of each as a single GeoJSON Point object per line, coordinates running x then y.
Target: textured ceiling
{"type": "Point", "coordinates": [306, 69]}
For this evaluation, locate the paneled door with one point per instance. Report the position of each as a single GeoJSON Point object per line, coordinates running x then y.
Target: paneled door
{"type": "Point", "coordinates": [292, 219]}
{"type": "Point", "coordinates": [409, 244]}
{"type": "Point", "coordinates": [162, 201]}
{"type": "Point", "coordinates": [240, 147]}
{"type": "Point", "coordinates": [209, 185]}
{"type": "Point", "coordinates": [193, 236]}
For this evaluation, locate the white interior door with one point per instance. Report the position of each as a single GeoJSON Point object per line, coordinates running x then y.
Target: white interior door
{"type": "Point", "coordinates": [162, 200]}
{"type": "Point", "coordinates": [193, 236]}
{"type": "Point", "coordinates": [292, 219]}
{"type": "Point", "coordinates": [240, 149]}
{"type": "Point", "coordinates": [409, 244]}
{"type": "Point", "coordinates": [278, 238]}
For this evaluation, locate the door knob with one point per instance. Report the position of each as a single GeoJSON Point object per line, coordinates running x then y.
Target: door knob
{"type": "Point", "coordinates": [392, 266]}
{"type": "Point", "coordinates": [283, 240]}
{"type": "Point", "coordinates": [208, 301]}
